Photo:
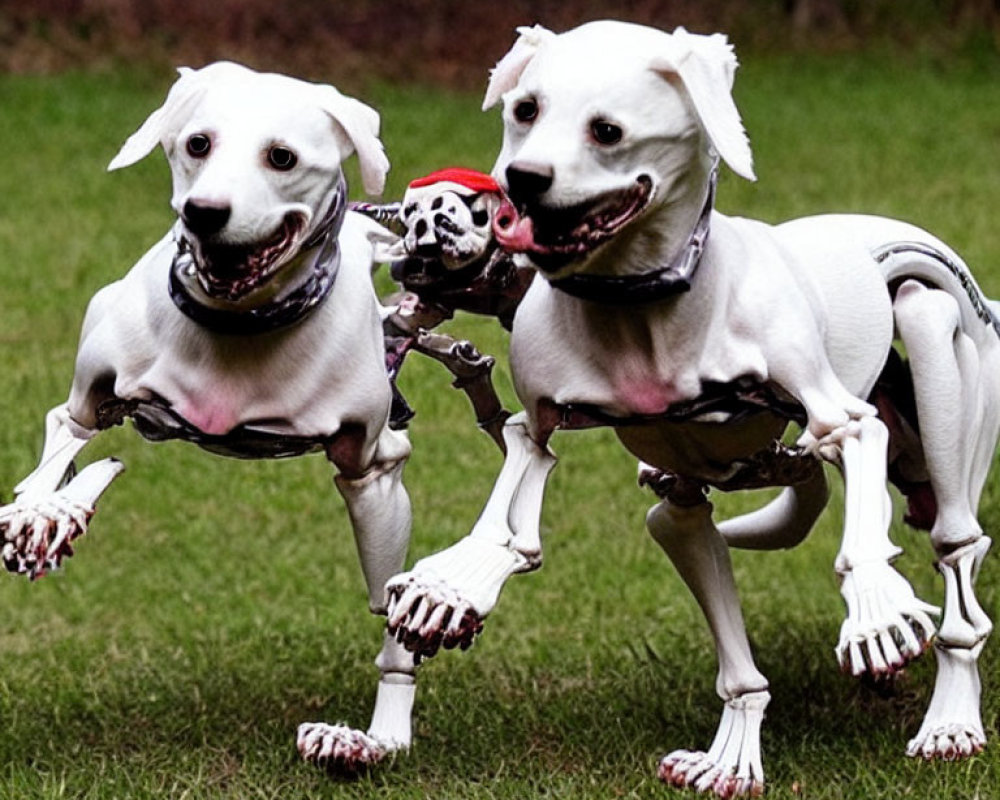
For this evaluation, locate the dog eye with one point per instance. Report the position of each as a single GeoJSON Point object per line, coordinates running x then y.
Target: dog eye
{"type": "Point", "coordinates": [526, 111]}
{"type": "Point", "coordinates": [198, 145]}
{"type": "Point", "coordinates": [605, 132]}
{"type": "Point", "coordinates": [281, 158]}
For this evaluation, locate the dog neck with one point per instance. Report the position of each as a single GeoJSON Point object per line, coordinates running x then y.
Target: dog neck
{"type": "Point", "coordinates": [316, 266]}
{"type": "Point", "coordinates": [658, 284]}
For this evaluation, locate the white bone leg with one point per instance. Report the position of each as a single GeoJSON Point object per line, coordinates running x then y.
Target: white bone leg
{"type": "Point", "coordinates": [954, 379]}
{"type": "Point", "coordinates": [732, 765]}
{"type": "Point", "coordinates": [443, 600]}
{"type": "Point", "coordinates": [952, 728]}
{"type": "Point", "coordinates": [380, 512]}
{"type": "Point", "coordinates": [52, 506]}
{"type": "Point", "coordinates": [340, 748]}
{"type": "Point", "coordinates": [887, 625]}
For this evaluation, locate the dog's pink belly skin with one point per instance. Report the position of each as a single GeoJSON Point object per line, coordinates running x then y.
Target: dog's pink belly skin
{"type": "Point", "coordinates": [215, 416]}
{"type": "Point", "coordinates": [645, 396]}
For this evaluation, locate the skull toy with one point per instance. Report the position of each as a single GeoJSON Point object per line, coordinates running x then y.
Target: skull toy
{"type": "Point", "coordinates": [448, 218]}
{"type": "Point", "coordinates": [448, 260]}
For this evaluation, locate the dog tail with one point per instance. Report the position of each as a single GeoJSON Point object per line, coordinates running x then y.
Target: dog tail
{"type": "Point", "coordinates": [923, 261]}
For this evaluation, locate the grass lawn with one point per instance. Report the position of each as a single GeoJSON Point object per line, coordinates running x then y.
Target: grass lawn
{"type": "Point", "coordinates": [216, 604]}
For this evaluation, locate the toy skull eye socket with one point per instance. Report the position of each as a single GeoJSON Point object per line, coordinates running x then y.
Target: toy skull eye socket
{"type": "Point", "coordinates": [605, 132]}
{"type": "Point", "coordinates": [198, 145]}
{"type": "Point", "coordinates": [281, 158]}
{"type": "Point", "coordinates": [526, 111]}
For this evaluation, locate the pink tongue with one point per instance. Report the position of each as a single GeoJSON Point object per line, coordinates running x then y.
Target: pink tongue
{"type": "Point", "coordinates": [514, 233]}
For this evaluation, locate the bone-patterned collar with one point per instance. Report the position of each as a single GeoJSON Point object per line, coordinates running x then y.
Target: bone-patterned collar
{"type": "Point", "coordinates": [648, 287]}
{"type": "Point", "coordinates": [283, 311]}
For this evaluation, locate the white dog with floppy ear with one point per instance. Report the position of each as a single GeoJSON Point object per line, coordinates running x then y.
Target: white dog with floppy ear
{"type": "Point", "coordinates": [699, 337]}
{"type": "Point", "coordinates": [252, 329]}
{"type": "Point", "coordinates": [359, 122]}
{"type": "Point", "coordinates": [706, 66]}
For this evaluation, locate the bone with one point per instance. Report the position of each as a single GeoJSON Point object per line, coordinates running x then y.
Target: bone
{"type": "Point", "coordinates": [405, 602]}
{"type": "Point", "coordinates": [435, 620]}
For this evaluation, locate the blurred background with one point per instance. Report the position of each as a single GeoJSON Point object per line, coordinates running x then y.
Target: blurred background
{"type": "Point", "coordinates": [448, 41]}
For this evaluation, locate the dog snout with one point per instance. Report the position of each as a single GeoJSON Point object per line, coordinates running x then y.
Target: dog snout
{"type": "Point", "coordinates": [526, 180]}
{"type": "Point", "coordinates": [205, 219]}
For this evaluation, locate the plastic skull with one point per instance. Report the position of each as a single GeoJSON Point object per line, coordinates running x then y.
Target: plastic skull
{"type": "Point", "coordinates": [448, 217]}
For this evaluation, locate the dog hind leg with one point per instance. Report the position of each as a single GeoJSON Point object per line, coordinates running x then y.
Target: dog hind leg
{"type": "Point", "coordinates": [954, 382]}
{"type": "Point", "coordinates": [53, 505]}
{"type": "Point", "coordinates": [732, 765]}
{"type": "Point", "coordinates": [379, 508]}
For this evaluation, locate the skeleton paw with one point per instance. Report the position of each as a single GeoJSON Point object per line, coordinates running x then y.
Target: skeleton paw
{"type": "Point", "coordinates": [426, 614]}
{"type": "Point", "coordinates": [338, 749]}
{"type": "Point", "coordinates": [887, 625]}
{"type": "Point", "coordinates": [443, 601]}
{"type": "Point", "coordinates": [947, 743]}
{"type": "Point", "coordinates": [38, 530]}
{"type": "Point", "coordinates": [697, 770]}
{"type": "Point", "coordinates": [732, 766]}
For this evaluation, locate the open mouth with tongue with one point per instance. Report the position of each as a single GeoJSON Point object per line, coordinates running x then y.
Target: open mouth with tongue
{"type": "Point", "coordinates": [231, 271]}
{"type": "Point", "coordinates": [553, 237]}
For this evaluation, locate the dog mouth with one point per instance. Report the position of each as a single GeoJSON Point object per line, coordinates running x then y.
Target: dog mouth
{"type": "Point", "coordinates": [553, 237]}
{"type": "Point", "coordinates": [232, 271]}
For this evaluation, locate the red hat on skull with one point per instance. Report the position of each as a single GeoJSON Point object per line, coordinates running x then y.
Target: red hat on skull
{"type": "Point", "coordinates": [468, 178]}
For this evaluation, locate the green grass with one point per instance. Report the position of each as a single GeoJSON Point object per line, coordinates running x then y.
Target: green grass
{"type": "Point", "coordinates": [216, 604]}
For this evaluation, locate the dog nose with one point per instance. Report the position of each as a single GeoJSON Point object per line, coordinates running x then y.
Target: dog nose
{"type": "Point", "coordinates": [526, 180]}
{"type": "Point", "coordinates": [204, 219]}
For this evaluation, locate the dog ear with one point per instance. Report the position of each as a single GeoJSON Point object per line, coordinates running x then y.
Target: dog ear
{"type": "Point", "coordinates": [361, 124]}
{"type": "Point", "coordinates": [505, 75]}
{"type": "Point", "coordinates": [187, 88]}
{"type": "Point", "coordinates": [706, 66]}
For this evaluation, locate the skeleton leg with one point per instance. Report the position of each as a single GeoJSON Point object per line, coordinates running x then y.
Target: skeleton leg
{"type": "Point", "coordinates": [886, 625]}
{"type": "Point", "coordinates": [53, 506]}
{"type": "Point", "coordinates": [443, 600]}
{"type": "Point", "coordinates": [954, 382]}
{"type": "Point", "coordinates": [732, 765]}
{"type": "Point", "coordinates": [953, 728]}
{"type": "Point", "coordinates": [473, 375]}
{"type": "Point", "coordinates": [380, 513]}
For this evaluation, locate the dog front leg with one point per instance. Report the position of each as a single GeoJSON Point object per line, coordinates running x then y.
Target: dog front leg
{"type": "Point", "coordinates": [53, 505]}
{"type": "Point", "coordinates": [887, 625]}
{"type": "Point", "coordinates": [732, 766]}
{"type": "Point", "coordinates": [379, 508]}
{"type": "Point", "coordinates": [443, 600]}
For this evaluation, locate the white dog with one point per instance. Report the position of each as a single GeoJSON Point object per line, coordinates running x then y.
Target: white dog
{"type": "Point", "coordinates": [699, 337]}
{"type": "Point", "coordinates": [251, 329]}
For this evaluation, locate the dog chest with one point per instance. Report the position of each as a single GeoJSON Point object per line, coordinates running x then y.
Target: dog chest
{"type": "Point", "coordinates": [668, 358]}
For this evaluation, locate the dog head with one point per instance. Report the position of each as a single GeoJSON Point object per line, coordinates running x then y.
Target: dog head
{"type": "Point", "coordinates": [604, 125]}
{"type": "Point", "coordinates": [256, 165]}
